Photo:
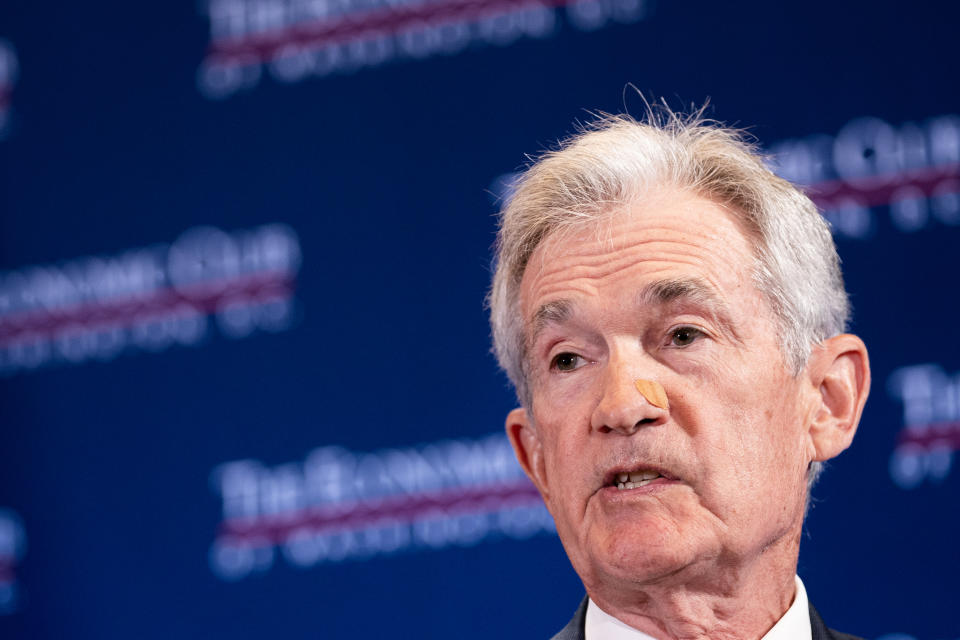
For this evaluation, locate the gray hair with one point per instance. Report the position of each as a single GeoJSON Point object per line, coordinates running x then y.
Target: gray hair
{"type": "Point", "coordinates": [616, 160]}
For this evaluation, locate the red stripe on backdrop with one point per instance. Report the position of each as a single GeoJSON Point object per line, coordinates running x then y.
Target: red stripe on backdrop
{"type": "Point", "coordinates": [359, 515]}
{"type": "Point", "coordinates": [354, 25]}
{"type": "Point", "coordinates": [880, 190]}
{"type": "Point", "coordinates": [127, 310]}
{"type": "Point", "coordinates": [933, 434]}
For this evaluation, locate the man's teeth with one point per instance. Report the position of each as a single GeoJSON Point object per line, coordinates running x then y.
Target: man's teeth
{"type": "Point", "coordinates": [635, 479]}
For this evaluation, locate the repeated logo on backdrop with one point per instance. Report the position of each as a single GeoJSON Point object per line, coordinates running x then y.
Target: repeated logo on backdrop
{"type": "Point", "coordinates": [148, 299]}
{"type": "Point", "coordinates": [9, 69]}
{"type": "Point", "coordinates": [292, 40]}
{"type": "Point", "coordinates": [339, 505]}
{"type": "Point", "coordinates": [931, 424]}
{"type": "Point", "coordinates": [912, 170]}
{"type": "Point", "coordinates": [13, 544]}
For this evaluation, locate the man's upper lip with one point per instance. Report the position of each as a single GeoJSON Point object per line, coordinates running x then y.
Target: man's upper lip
{"type": "Point", "coordinates": [610, 479]}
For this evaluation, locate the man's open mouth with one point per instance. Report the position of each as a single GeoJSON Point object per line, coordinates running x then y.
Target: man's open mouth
{"type": "Point", "coordinates": [634, 479]}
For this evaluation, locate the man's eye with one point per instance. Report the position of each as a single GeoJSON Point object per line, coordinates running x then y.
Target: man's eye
{"type": "Point", "coordinates": [684, 336]}
{"type": "Point", "coordinates": [566, 361]}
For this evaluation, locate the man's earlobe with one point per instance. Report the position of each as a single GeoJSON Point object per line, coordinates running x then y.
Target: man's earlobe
{"type": "Point", "coordinates": [527, 447]}
{"type": "Point", "coordinates": [840, 371]}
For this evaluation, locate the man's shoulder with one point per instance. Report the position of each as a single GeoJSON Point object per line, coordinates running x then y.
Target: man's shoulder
{"type": "Point", "coordinates": [575, 628]}
{"type": "Point", "coordinates": [819, 631]}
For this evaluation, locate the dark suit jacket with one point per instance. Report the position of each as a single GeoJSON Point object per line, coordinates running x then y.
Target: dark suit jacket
{"type": "Point", "coordinates": [574, 628]}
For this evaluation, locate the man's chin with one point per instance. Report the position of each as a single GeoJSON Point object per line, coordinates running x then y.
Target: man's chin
{"type": "Point", "coordinates": [640, 555]}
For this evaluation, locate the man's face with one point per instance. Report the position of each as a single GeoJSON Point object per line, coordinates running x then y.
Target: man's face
{"type": "Point", "coordinates": [662, 291]}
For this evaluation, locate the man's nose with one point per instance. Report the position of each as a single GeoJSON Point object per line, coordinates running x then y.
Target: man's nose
{"type": "Point", "coordinates": [622, 408]}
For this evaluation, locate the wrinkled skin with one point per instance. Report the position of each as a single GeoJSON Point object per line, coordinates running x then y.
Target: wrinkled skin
{"type": "Point", "coordinates": [662, 291]}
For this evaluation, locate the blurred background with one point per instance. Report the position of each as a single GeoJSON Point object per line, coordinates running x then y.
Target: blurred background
{"type": "Point", "coordinates": [245, 385]}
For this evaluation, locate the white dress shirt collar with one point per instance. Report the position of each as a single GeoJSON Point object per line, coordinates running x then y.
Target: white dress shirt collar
{"type": "Point", "coordinates": [794, 625]}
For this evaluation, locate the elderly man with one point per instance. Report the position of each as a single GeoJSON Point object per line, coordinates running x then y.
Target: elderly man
{"type": "Point", "coordinates": [671, 315]}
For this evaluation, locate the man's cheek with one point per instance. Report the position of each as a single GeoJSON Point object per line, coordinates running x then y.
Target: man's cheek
{"type": "Point", "coordinates": [556, 487]}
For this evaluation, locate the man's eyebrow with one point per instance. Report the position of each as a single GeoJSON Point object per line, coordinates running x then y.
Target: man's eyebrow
{"type": "Point", "coordinates": [662, 292]}
{"type": "Point", "coordinates": [679, 290]}
{"type": "Point", "coordinates": [550, 313]}
{"type": "Point", "coordinates": [693, 291]}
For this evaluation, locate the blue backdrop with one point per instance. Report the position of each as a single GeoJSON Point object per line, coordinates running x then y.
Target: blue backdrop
{"type": "Point", "coordinates": [245, 385]}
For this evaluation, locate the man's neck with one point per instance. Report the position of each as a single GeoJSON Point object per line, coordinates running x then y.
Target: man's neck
{"type": "Point", "coordinates": [725, 602]}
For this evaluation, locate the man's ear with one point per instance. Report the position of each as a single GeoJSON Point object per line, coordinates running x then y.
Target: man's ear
{"type": "Point", "coordinates": [528, 448]}
{"type": "Point", "coordinates": [840, 370]}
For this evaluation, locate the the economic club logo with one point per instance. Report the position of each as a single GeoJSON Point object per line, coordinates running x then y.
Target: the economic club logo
{"type": "Point", "coordinates": [292, 40]}
{"type": "Point", "coordinates": [338, 505]}
{"type": "Point", "coordinates": [931, 424]}
{"type": "Point", "coordinates": [871, 170]}
{"type": "Point", "coordinates": [149, 299]}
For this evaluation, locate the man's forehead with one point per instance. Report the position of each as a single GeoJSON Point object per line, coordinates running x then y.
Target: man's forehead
{"type": "Point", "coordinates": [694, 249]}
{"type": "Point", "coordinates": [664, 211]}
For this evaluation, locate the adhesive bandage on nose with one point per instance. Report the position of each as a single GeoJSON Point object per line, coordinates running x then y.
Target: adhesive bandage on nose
{"type": "Point", "coordinates": [653, 392]}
